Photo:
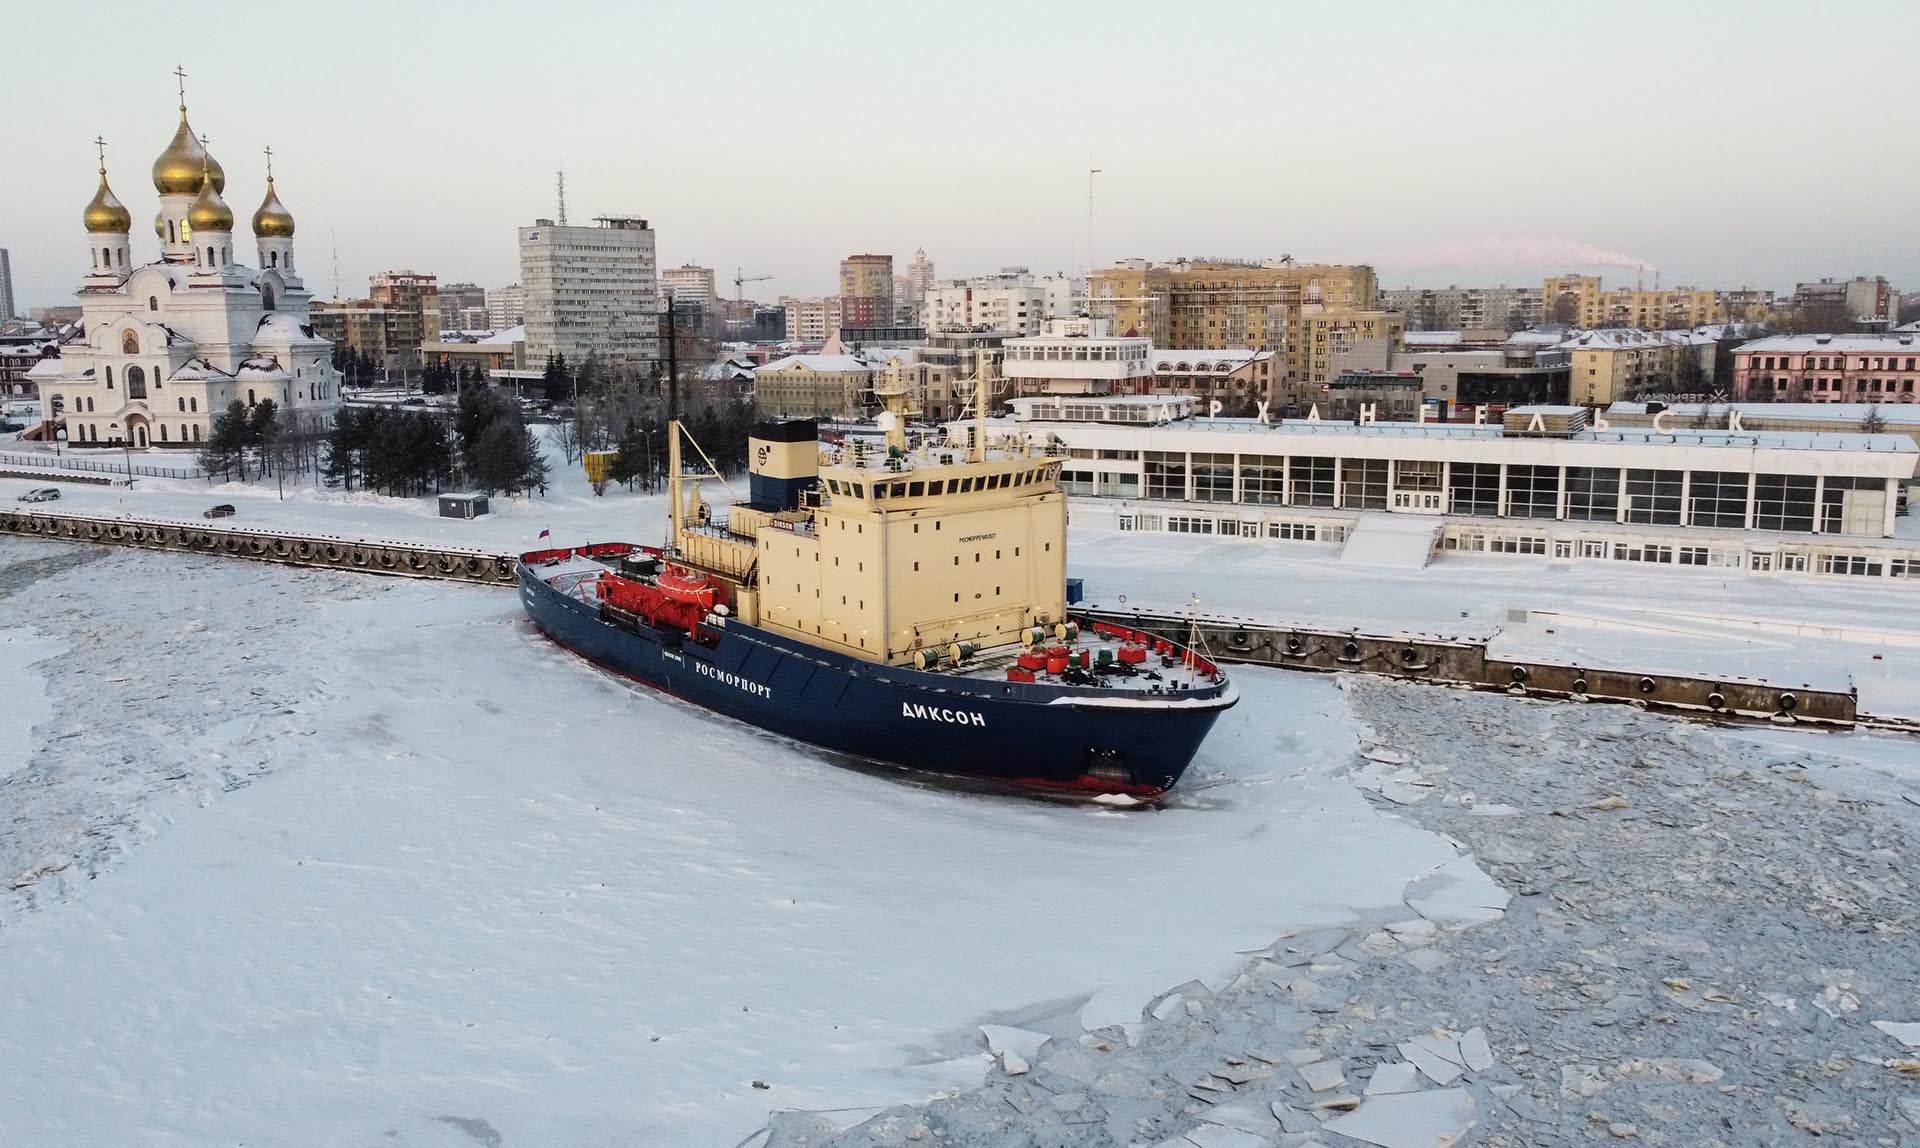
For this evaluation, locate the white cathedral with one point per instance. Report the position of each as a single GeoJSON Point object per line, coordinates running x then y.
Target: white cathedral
{"type": "Point", "coordinates": [168, 345]}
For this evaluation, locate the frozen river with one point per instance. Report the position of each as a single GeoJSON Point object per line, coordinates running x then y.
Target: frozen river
{"type": "Point", "coordinates": [300, 858]}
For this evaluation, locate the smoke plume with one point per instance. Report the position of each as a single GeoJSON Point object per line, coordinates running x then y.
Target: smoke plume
{"type": "Point", "coordinates": [1510, 253]}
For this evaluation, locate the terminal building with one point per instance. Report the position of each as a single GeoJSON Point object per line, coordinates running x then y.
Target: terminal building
{"type": "Point", "coordinates": [1541, 480]}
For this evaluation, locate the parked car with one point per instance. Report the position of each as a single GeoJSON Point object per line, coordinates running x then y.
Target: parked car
{"type": "Point", "coordinates": [224, 510]}
{"type": "Point", "coordinates": [41, 494]}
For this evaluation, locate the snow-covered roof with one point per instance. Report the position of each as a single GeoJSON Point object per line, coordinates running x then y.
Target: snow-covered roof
{"type": "Point", "coordinates": [1812, 412]}
{"type": "Point", "coordinates": [1817, 343]}
{"type": "Point", "coordinates": [275, 325]}
{"type": "Point", "coordinates": [261, 367]}
{"type": "Point", "coordinates": [197, 371]}
{"type": "Point", "coordinates": [44, 369]}
{"type": "Point", "coordinates": [1905, 327]}
{"type": "Point", "coordinates": [1774, 440]}
{"type": "Point", "coordinates": [508, 336]}
{"type": "Point", "coordinates": [841, 363]}
{"type": "Point", "coordinates": [1613, 339]}
{"type": "Point", "coordinates": [1430, 339]}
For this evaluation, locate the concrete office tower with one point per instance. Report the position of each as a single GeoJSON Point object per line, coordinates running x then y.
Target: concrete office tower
{"type": "Point", "coordinates": [591, 290]}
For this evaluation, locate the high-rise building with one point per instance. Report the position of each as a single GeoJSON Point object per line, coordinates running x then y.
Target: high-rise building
{"type": "Point", "coordinates": [412, 300]}
{"type": "Point", "coordinates": [866, 291]}
{"type": "Point", "coordinates": [1309, 311]}
{"type": "Point", "coordinates": [506, 307]}
{"type": "Point", "coordinates": [1579, 301]}
{"type": "Point", "coordinates": [6, 287]}
{"type": "Point", "coordinates": [591, 290]}
{"type": "Point", "coordinates": [919, 273]}
{"type": "Point", "coordinates": [690, 284]}
{"type": "Point", "coordinates": [463, 307]}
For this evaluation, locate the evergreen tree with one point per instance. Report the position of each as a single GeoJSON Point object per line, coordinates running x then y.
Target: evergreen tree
{"type": "Point", "coordinates": [558, 385]}
{"type": "Point", "coordinates": [506, 458]}
{"type": "Point", "coordinates": [226, 448]}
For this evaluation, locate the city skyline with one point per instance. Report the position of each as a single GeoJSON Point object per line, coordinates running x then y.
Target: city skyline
{"type": "Point", "coordinates": [1600, 149]}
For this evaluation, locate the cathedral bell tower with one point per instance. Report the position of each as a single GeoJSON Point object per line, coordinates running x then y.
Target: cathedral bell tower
{"type": "Point", "coordinates": [273, 232]}
{"type": "Point", "coordinates": [108, 224]}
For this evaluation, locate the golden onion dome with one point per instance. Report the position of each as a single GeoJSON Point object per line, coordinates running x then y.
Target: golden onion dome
{"type": "Point", "coordinates": [106, 214]}
{"type": "Point", "coordinates": [272, 220]}
{"type": "Point", "coordinates": [185, 164]}
{"type": "Point", "coordinates": [209, 212]}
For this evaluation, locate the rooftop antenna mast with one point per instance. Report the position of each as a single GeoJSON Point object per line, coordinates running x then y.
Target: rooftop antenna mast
{"type": "Point", "coordinates": [560, 189]}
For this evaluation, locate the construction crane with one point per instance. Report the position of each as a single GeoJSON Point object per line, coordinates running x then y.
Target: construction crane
{"type": "Point", "coordinates": [740, 282]}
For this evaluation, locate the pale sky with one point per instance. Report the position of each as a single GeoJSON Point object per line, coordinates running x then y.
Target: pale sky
{"type": "Point", "coordinates": [1725, 144]}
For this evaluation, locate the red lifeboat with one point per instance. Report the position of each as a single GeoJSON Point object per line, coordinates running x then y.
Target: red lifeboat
{"type": "Point", "coordinates": [680, 585]}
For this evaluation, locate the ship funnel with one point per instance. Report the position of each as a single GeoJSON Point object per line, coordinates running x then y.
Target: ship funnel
{"type": "Point", "coordinates": [783, 460]}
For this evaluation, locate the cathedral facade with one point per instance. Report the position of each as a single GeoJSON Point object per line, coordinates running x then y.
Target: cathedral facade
{"type": "Point", "coordinates": [169, 344]}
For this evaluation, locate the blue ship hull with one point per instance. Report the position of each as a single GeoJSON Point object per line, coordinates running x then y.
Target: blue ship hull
{"type": "Point", "coordinates": [1080, 739]}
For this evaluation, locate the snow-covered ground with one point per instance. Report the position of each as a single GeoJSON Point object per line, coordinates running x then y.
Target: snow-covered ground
{"type": "Point", "coordinates": [308, 858]}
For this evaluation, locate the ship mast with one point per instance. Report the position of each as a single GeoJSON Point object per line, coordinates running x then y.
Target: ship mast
{"type": "Point", "coordinates": [982, 387]}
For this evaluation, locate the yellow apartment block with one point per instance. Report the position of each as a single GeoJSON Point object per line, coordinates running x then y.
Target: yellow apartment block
{"type": "Point", "coordinates": [1211, 305]}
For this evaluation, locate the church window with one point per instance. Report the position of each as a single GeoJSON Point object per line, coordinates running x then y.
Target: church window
{"type": "Point", "coordinates": [163, 432]}
{"type": "Point", "coordinates": [210, 261]}
{"type": "Point", "coordinates": [122, 255]}
{"type": "Point", "coordinates": [170, 238]}
{"type": "Point", "coordinates": [196, 434]}
{"type": "Point", "coordinates": [273, 259]}
{"type": "Point", "coordinates": [109, 378]}
{"type": "Point", "coordinates": [136, 383]}
{"type": "Point", "coordinates": [266, 296]}
{"type": "Point", "coordinates": [153, 302]}
{"type": "Point", "coordinates": [249, 396]}
{"type": "Point", "coordinates": [183, 404]}
{"type": "Point", "coordinates": [96, 260]}
{"type": "Point", "coordinates": [193, 404]}
{"type": "Point", "coordinates": [129, 343]}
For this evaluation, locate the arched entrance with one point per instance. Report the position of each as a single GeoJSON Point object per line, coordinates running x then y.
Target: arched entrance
{"type": "Point", "coordinates": [137, 430]}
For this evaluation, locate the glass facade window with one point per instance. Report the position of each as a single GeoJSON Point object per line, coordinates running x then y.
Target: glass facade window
{"type": "Point", "coordinates": [1363, 484]}
{"type": "Point", "coordinates": [1474, 489]}
{"type": "Point", "coordinates": [1076, 481]}
{"type": "Point", "coordinates": [1593, 493]}
{"type": "Point", "coordinates": [1166, 475]}
{"type": "Point", "coordinates": [1263, 479]}
{"type": "Point", "coordinates": [1411, 475]}
{"type": "Point", "coordinates": [1717, 498]}
{"type": "Point", "coordinates": [1213, 477]}
{"type": "Point", "coordinates": [1653, 497]}
{"type": "Point", "coordinates": [1784, 502]}
{"type": "Point", "coordinates": [1119, 484]}
{"type": "Point", "coordinates": [1312, 481]}
{"type": "Point", "coordinates": [1533, 491]}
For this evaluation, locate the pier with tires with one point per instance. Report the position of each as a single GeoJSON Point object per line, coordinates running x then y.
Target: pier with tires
{"type": "Point", "coordinates": [360, 555]}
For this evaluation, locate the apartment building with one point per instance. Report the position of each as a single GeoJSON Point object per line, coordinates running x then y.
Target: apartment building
{"type": "Point", "coordinates": [412, 301]}
{"type": "Point", "coordinates": [811, 320]}
{"type": "Point", "coordinates": [1829, 368]}
{"type": "Point", "coordinates": [1619, 363]}
{"type": "Point", "coordinates": [1299, 310]}
{"type": "Point", "coordinates": [506, 307]}
{"type": "Point", "coordinates": [1505, 309]}
{"type": "Point", "coordinates": [866, 291]}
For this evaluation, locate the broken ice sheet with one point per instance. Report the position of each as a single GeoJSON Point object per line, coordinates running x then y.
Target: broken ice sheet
{"type": "Point", "coordinates": [1002, 1039]}
{"type": "Point", "coordinates": [1410, 1119]}
{"type": "Point", "coordinates": [1457, 893]}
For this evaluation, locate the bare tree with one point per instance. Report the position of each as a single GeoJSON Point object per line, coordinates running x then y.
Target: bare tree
{"type": "Point", "coordinates": [1873, 422]}
{"type": "Point", "coordinates": [566, 436]}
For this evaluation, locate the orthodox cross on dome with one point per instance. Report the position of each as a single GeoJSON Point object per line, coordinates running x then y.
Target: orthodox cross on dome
{"type": "Point", "coordinates": [100, 142]}
{"type": "Point", "coordinates": [269, 151]}
{"type": "Point", "coordinates": [180, 71]}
